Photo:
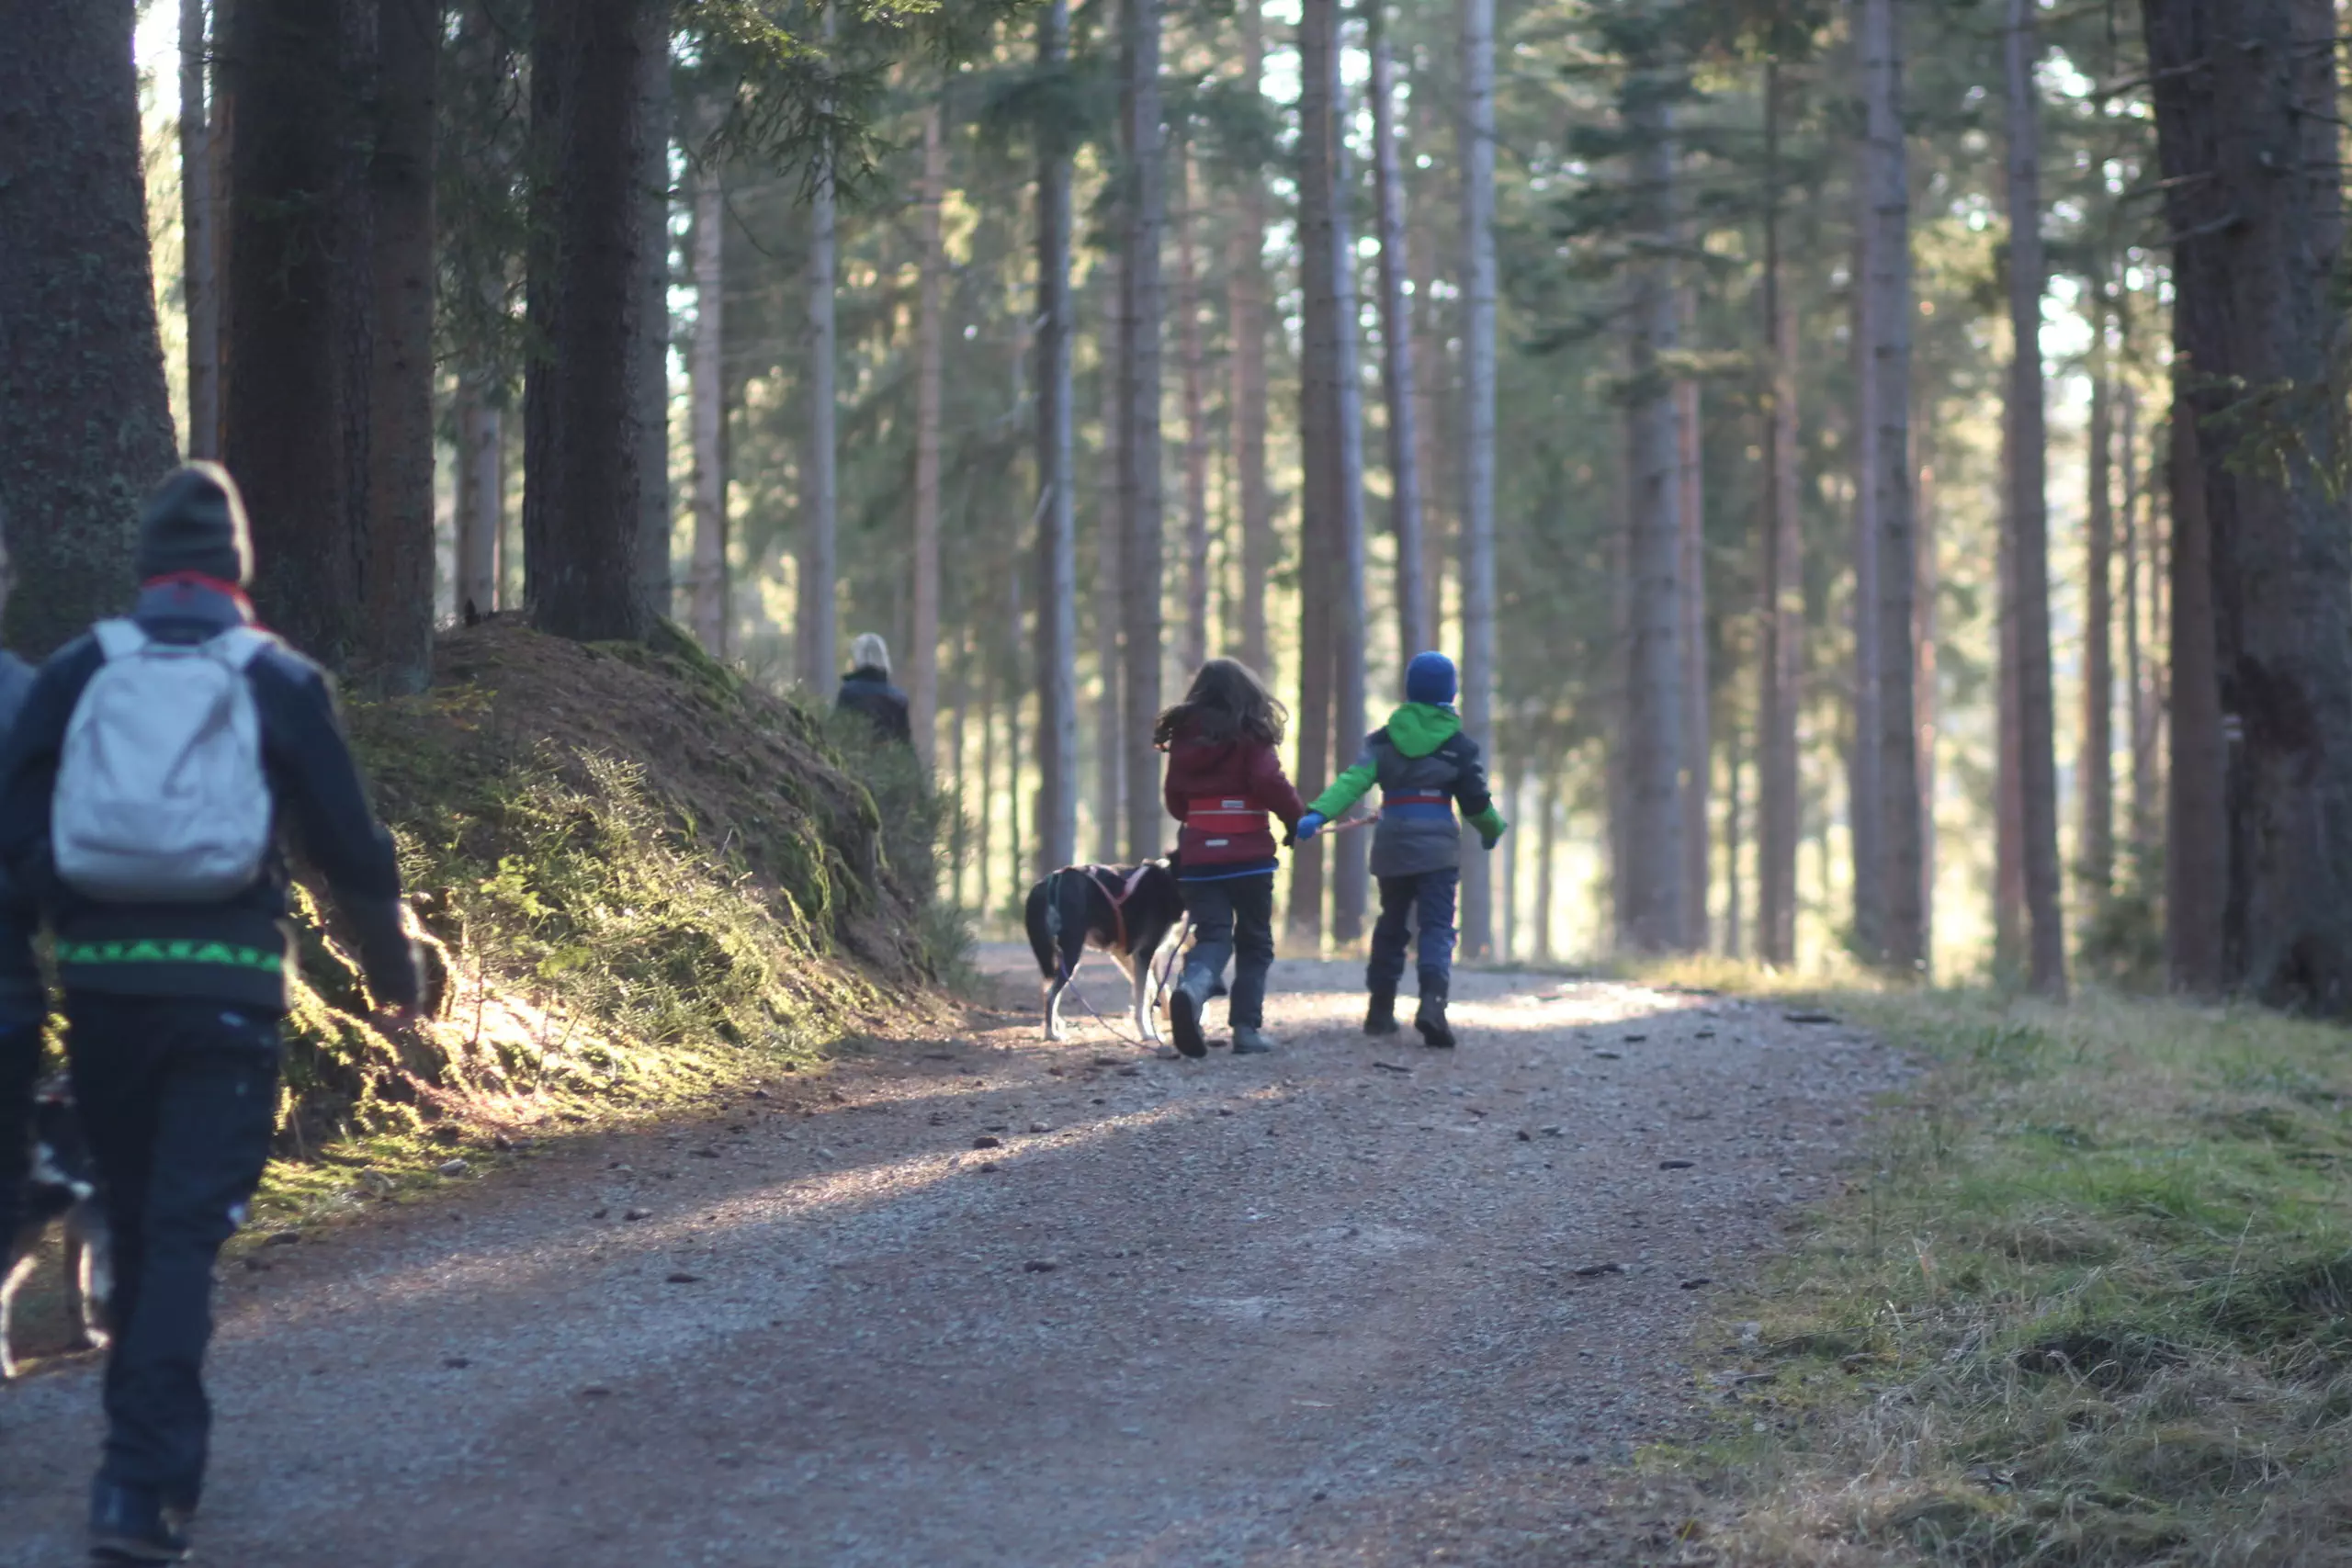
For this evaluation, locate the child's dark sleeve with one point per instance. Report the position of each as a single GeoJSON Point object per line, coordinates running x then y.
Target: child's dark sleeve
{"type": "Point", "coordinates": [1470, 789]}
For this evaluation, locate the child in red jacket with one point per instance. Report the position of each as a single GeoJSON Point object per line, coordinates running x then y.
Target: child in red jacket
{"type": "Point", "coordinates": [1224, 779]}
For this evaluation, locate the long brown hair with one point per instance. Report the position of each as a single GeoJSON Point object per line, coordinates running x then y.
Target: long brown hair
{"type": "Point", "coordinates": [1227, 700]}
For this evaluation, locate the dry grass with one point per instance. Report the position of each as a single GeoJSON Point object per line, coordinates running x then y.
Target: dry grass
{"type": "Point", "coordinates": [2090, 1304]}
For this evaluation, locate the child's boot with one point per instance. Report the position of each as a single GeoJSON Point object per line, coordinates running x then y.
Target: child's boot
{"type": "Point", "coordinates": [1380, 1017]}
{"type": "Point", "coordinates": [1184, 1005]}
{"type": "Point", "coordinates": [1430, 1019]}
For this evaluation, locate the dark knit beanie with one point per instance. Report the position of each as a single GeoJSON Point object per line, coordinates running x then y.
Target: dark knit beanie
{"type": "Point", "coordinates": [1429, 678]}
{"type": "Point", "coordinates": [196, 523]}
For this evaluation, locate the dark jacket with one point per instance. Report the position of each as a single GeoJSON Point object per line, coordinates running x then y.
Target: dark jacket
{"type": "Point", "coordinates": [237, 950]}
{"type": "Point", "coordinates": [868, 691]}
{"type": "Point", "coordinates": [21, 994]}
{"type": "Point", "coordinates": [1222, 792]}
{"type": "Point", "coordinates": [1423, 764]}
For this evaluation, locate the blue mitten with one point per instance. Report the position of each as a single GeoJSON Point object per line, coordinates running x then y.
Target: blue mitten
{"type": "Point", "coordinates": [1310, 825]}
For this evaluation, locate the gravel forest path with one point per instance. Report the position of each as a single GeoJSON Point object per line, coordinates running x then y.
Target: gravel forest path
{"type": "Point", "coordinates": [986, 1301]}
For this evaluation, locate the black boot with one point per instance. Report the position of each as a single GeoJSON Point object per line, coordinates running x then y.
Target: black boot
{"type": "Point", "coordinates": [1380, 1017]}
{"type": "Point", "coordinates": [130, 1525]}
{"type": "Point", "coordinates": [1430, 1020]}
{"type": "Point", "coordinates": [1185, 1005]}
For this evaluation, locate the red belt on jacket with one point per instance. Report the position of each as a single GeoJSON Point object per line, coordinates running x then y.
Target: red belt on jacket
{"type": "Point", "coordinates": [1223, 814]}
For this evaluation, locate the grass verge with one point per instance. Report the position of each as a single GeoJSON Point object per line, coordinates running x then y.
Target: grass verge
{"type": "Point", "coordinates": [2089, 1303]}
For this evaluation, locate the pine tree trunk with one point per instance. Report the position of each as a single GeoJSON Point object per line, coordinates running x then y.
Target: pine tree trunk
{"type": "Point", "coordinates": [1780, 585]}
{"type": "Point", "coordinates": [1016, 684]}
{"type": "Point", "coordinates": [1057, 516]}
{"type": "Point", "coordinates": [707, 392]}
{"type": "Point", "coordinates": [1864, 798]}
{"type": "Point", "coordinates": [1924, 705]}
{"type": "Point", "coordinates": [1196, 424]}
{"type": "Point", "coordinates": [2197, 856]}
{"type": "Point", "coordinates": [1433, 366]}
{"type": "Point", "coordinates": [85, 422]}
{"type": "Point", "coordinates": [583, 441]}
{"type": "Point", "coordinates": [1245, 311]}
{"type": "Point", "coordinates": [1512, 770]}
{"type": "Point", "coordinates": [1735, 785]}
{"type": "Point", "coordinates": [293, 426]}
{"type": "Point", "coordinates": [2249, 133]}
{"type": "Point", "coordinates": [199, 285]}
{"type": "Point", "coordinates": [2008, 778]}
{"type": "Point", "coordinates": [1143, 215]}
{"type": "Point", "coordinates": [1416, 627]}
{"type": "Point", "coordinates": [1109, 587]}
{"type": "Point", "coordinates": [1477, 433]}
{"type": "Point", "coordinates": [2037, 754]}
{"type": "Point", "coordinates": [2095, 773]}
{"type": "Point", "coordinates": [650, 349]}
{"type": "Point", "coordinates": [481, 495]}
{"type": "Point", "coordinates": [1655, 920]}
{"type": "Point", "coordinates": [820, 497]}
{"type": "Point", "coordinates": [1900, 939]}
{"type": "Point", "coordinates": [1053, 417]}
{"type": "Point", "coordinates": [1546, 851]}
{"type": "Point", "coordinates": [2138, 719]}
{"type": "Point", "coordinates": [1697, 748]}
{"type": "Point", "coordinates": [397, 568]}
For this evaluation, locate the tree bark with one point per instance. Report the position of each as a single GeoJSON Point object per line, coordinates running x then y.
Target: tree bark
{"type": "Point", "coordinates": [1110, 586]}
{"type": "Point", "coordinates": [1546, 851]}
{"type": "Point", "coordinates": [85, 422]}
{"type": "Point", "coordinates": [1697, 748]}
{"type": "Point", "coordinates": [1654, 917]}
{"type": "Point", "coordinates": [2008, 780]}
{"type": "Point", "coordinates": [1057, 514]}
{"type": "Point", "coordinates": [2095, 773]}
{"type": "Point", "coordinates": [1052, 350]}
{"type": "Point", "coordinates": [1246, 312]}
{"type": "Point", "coordinates": [583, 441]}
{"type": "Point", "coordinates": [2037, 755]}
{"type": "Point", "coordinates": [1476, 137]}
{"type": "Point", "coordinates": [1416, 627]}
{"type": "Point", "coordinates": [1196, 422]}
{"type": "Point", "coordinates": [706, 394]}
{"type": "Point", "coordinates": [1781, 587]}
{"type": "Point", "coordinates": [1865, 798]}
{"type": "Point", "coordinates": [1143, 216]}
{"type": "Point", "coordinates": [199, 278]}
{"type": "Point", "coordinates": [395, 652]}
{"type": "Point", "coordinates": [2139, 714]}
{"type": "Point", "coordinates": [819, 498]}
{"type": "Point", "coordinates": [293, 423]}
{"type": "Point", "coordinates": [2196, 857]}
{"type": "Point", "coordinates": [1886, 284]}
{"type": "Point", "coordinates": [479, 491]}
{"type": "Point", "coordinates": [2249, 141]}
{"type": "Point", "coordinates": [649, 350]}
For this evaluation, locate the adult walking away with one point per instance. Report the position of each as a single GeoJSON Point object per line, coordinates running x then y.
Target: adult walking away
{"type": "Point", "coordinates": [141, 797]}
{"type": "Point", "coordinates": [1224, 778]}
{"type": "Point", "coordinates": [1423, 764]}
{"type": "Point", "coordinates": [867, 689]}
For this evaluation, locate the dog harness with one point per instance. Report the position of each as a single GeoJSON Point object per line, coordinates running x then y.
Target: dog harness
{"type": "Point", "coordinates": [1222, 814]}
{"type": "Point", "coordinates": [1118, 890]}
{"type": "Point", "coordinates": [1417, 803]}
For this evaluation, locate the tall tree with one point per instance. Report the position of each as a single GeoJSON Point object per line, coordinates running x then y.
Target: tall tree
{"type": "Point", "coordinates": [1416, 625]}
{"type": "Point", "coordinates": [1143, 216]}
{"type": "Point", "coordinates": [2037, 755]}
{"type": "Point", "coordinates": [930, 333]}
{"type": "Point", "coordinates": [2249, 133]}
{"type": "Point", "coordinates": [1057, 513]}
{"type": "Point", "coordinates": [2197, 855]}
{"type": "Point", "coordinates": [1865, 796]}
{"type": "Point", "coordinates": [200, 278]}
{"type": "Point", "coordinates": [707, 398]}
{"type": "Point", "coordinates": [1475, 142]}
{"type": "Point", "coordinates": [293, 421]}
{"type": "Point", "coordinates": [1888, 314]}
{"type": "Point", "coordinates": [582, 446]}
{"type": "Point", "coordinates": [397, 570]}
{"type": "Point", "coordinates": [649, 350]}
{"type": "Point", "coordinates": [2095, 773]}
{"type": "Point", "coordinates": [1193, 374]}
{"type": "Point", "coordinates": [1245, 323]}
{"type": "Point", "coordinates": [820, 493]}
{"type": "Point", "coordinates": [478, 492]}
{"type": "Point", "coordinates": [1698, 747]}
{"type": "Point", "coordinates": [85, 424]}
{"type": "Point", "coordinates": [1110, 582]}
{"type": "Point", "coordinates": [1779, 581]}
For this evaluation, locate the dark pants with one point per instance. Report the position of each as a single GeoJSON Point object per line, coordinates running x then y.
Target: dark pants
{"type": "Point", "coordinates": [19, 1066]}
{"type": "Point", "coordinates": [1427, 898]}
{"type": "Point", "coordinates": [178, 1099]}
{"type": "Point", "coordinates": [1233, 919]}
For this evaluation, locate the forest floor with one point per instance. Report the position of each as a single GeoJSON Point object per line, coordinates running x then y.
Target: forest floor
{"type": "Point", "coordinates": [977, 1299]}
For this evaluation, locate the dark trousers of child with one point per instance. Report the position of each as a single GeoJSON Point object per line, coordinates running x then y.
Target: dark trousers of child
{"type": "Point", "coordinates": [1233, 919]}
{"type": "Point", "coordinates": [1426, 900]}
{"type": "Point", "coordinates": [19, 1066]}
{"type": "Point", "coordinates": [178, 1099]}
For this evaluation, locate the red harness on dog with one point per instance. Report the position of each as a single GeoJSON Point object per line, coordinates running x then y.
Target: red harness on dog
{"type": "Point", "coordinates": [1118, 892]}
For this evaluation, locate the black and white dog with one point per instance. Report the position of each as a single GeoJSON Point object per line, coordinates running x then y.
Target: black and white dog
{"type": "Point", "coordinates": [1125, 911]}
{"type": "Point", "coordinates": [61, 1183]}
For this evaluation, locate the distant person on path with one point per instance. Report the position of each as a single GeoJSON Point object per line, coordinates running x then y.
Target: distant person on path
{"type": "Point", "coordinates": [867, 689]}
{"type": "Point", "coordinates": [1423, 764]}
{"type": "Point", "coordinates": [1224, 778]}
{"type": "Point", "coordinates": [23, 1005]}
{"type": "Point", "coordinates": [141, 794]}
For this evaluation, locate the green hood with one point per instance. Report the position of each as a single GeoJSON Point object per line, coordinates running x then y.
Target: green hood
{"type": "Point", "coordinates": [1418, 728]}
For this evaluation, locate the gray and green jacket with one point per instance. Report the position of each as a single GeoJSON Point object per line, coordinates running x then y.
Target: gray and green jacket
{"type": "Point", "coordinates": [1423, 764]}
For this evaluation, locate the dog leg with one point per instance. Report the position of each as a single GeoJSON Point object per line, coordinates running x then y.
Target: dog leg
{"type": "Point", "coordinates": [95, 1280]}
{"type": "Point", "coordinates": [1054, 1029]}
{"type": "Point", "coordinates": [1146, 1021]}
{"type": "Point", "coordinates": [11, 1280]}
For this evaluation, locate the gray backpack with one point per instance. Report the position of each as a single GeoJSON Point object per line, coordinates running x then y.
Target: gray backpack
{"type": "Point", "coordinates": [161, 796]}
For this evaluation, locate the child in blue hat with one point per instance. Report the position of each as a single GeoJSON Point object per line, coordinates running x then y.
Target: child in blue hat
{"type": "Point", "coordinates": [1424, 765]}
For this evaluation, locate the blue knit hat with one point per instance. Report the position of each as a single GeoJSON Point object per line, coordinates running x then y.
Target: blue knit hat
{"type": "Point", "coordinates": [1429, 678]}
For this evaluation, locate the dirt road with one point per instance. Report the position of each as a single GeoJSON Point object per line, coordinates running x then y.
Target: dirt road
{"type": "Point", "coordinates": [1335, 1305]}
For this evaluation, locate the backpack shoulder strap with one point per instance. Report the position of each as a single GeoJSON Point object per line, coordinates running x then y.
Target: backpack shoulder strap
{"type": "Point", "coordinates": [240, 646]}
{"type": "Point", "coordinates": [120, 639]}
